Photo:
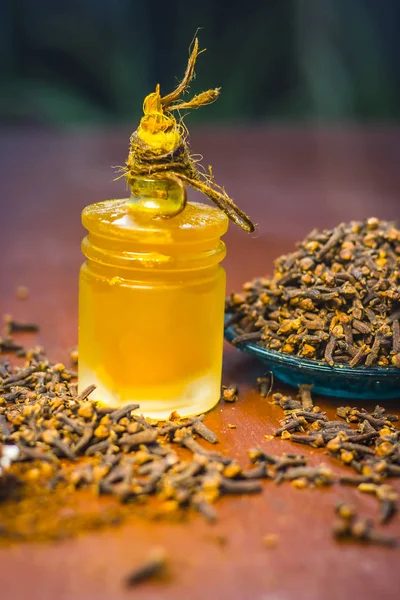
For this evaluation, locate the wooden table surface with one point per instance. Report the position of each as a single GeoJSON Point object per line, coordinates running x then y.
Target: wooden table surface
{"type": "Point", "coordinates": [289, 180]}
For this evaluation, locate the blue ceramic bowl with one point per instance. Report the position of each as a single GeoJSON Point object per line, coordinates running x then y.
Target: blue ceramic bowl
{"type": "Point", "coordinates": [360, 383]}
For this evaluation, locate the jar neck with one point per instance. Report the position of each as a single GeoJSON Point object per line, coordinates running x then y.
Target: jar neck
{"type": "Point", "coordinates": [117, 275]}
{"type": "Point", "coordinates": [119, 237]}
{"type": "Point", "coordinates": [182, 257]}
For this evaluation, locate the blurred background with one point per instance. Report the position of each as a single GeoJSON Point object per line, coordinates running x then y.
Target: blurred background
{"type": "Point", "coordinates": [90, 62]}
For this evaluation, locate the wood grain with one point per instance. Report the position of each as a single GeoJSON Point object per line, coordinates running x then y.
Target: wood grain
{"type": "Point", "coordinates": [289, 180]}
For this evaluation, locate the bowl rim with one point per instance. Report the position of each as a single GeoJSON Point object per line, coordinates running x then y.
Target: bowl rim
{"type": "Point", "coordinates": [289, 360]}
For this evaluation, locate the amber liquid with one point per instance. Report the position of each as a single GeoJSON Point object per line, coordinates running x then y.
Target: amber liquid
{"type": "Point", "coordinates": [155, 338]}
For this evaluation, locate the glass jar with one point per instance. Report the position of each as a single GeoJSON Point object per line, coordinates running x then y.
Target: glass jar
{"type": "Point", "coordinates": [151, 305]}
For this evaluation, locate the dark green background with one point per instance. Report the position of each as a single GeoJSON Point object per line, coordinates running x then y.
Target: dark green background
{"type": "Point", "coordinates": [93, 61]}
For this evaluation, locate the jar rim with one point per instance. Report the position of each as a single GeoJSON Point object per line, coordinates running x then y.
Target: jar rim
{"type": "Point", "coordinates": [115, 219]}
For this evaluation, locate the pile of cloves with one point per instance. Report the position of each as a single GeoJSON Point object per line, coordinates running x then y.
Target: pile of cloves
{"type": "Point", "coordinates": [67, 442]}
{"type": "Point", "coordinates": [62, 442]}
{"type": "Point", "coordinates": [113, 451]}
{"type": "Point", "coordinates": [335, 299]}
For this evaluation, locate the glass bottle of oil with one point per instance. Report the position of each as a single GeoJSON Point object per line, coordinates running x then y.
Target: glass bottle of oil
{"type": "Point", "coordinates": [152, 289]}
{"type": "Point", "coordinates": [152, 305]}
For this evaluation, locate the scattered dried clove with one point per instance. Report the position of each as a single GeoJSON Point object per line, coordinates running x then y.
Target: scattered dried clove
{"type": "Point", "coordinates": [230, 393]}
{"type": "Point", "coordinates": [151, 567]}
{"type": "Point", "coordinates": [350, 527]}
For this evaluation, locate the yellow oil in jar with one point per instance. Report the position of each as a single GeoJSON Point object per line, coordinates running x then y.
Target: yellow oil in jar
{"type": "Point", "coordinates": [151, 307]}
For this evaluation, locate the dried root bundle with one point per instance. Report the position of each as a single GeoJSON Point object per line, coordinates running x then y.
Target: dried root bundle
{"type": "Point", "coordinates": [159, 146]}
